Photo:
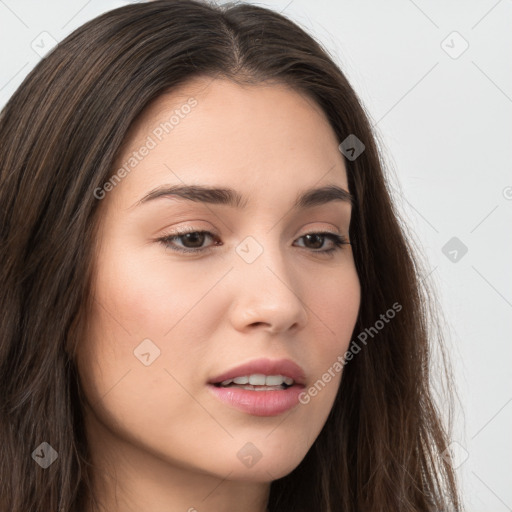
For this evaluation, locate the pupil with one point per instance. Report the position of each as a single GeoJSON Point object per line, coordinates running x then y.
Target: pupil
{"type": "Point", "coordinates": [195, 236]}
{"type": "Point", "coordinates": [318, 238]}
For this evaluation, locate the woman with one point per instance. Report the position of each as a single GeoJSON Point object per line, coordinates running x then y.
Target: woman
{"type": "Point", "coordinates": [208, 300]}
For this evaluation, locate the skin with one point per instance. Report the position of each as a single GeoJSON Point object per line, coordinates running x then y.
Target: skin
{"type": "Point", "coordinates": [159, 439]}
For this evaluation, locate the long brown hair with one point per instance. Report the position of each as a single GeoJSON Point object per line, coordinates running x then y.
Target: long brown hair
{"type": "Point", "coordinates": [383, 447]}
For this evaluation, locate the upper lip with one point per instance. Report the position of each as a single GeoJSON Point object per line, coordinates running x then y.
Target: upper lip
{"type": "Point", "coordinates": [284, 367]}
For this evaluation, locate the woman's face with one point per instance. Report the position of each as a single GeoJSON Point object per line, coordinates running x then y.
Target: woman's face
{"type": "Point", "coordinates": [166, 323]}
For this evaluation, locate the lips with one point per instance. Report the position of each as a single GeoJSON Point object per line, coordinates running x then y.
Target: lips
{"type": "Point", "coordinates": [265, 366]}
{"type": "Point", "coordinates": [265, 401]}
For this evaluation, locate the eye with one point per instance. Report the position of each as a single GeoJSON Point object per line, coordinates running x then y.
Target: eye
{"type": "Point", "coordinates": [337, 240]}
{"type": "Point", "coordinates": [193, 240]}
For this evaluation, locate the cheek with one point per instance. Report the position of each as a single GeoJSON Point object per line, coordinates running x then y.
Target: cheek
{"type": "Point", "coordinates": [148, 295]}
{"type": "Point", "coordinates": [335, 304]}
{"type": "Point", "coordinates": [144, 307]}
{"type": "Point", "coordinates": [148, 309]}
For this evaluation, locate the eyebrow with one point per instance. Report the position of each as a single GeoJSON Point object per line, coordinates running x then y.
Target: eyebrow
{"type": "Point", "coordinates": [230, 197]}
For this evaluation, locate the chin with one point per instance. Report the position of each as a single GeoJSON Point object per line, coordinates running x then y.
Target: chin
{"type": "Point", "coordinates": [264, 473]}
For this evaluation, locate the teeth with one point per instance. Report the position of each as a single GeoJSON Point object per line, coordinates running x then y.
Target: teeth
{"type": "Point", "coordinates": [258, 379]}
{"type": "Point", "coordinates": [274, 380]}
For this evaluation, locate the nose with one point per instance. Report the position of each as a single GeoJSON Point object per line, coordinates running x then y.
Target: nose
{"type": "Point", "coordinates": [267, 295]}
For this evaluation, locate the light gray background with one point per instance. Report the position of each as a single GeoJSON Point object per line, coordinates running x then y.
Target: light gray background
{"type": "Point", "coordinates": [445, 120]}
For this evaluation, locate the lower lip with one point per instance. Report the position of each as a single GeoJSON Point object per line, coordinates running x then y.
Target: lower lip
{"type": "Point", "coordinates": [259, 403]}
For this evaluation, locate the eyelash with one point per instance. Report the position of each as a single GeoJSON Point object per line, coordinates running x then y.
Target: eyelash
{"type": "Point", "coordinates": [339, 241]}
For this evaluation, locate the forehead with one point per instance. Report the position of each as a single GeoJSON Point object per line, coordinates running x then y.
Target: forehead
{"type": "Point", "coordinates": [265, 138]}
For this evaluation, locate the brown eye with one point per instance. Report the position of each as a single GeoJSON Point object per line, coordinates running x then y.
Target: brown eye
{"type": "Point", "coordinates": [193, 241]}
{"type": "Point", "coordinates": [316, 241]}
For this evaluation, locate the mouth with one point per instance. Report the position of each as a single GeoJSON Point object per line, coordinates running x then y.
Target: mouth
{"type": "Point", "coordinates": [262, 372]}
{"type": "Point", "coordinates": [261, 388]}
{"type": "Point", "coordinates": [257, 382]}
